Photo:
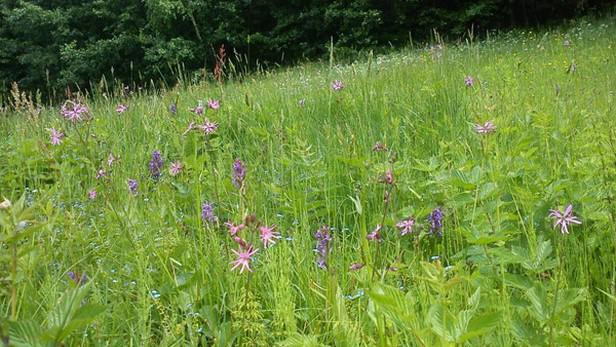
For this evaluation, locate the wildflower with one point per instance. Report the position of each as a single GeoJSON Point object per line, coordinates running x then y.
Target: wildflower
{"type": "Point", "coordinates": [175, 168]}
{"type": "Point", "coordinates": [337, 85]}
{"type": "Point", "coordinates": [268, 235]}
{"type": "Point", "coordinates": [199, 109]}
{"type": "Point", "coordinates": [388, 178]}
{"type": "Point", "coordinates": [6, 204]}
{"type": "Point", "coordinates": [486, 128]}
{"type": "Point", "coordinates": [564, 219]}
{"type": "Point", "coordinates": [468, 80]}
{"type": "Point", "coordinates": [207, 213]}
{"type": "Point", "coordinates": [301, 102]}
{"type": "Point", "coordinates": [208, 127]}
{"type": "Point", "coordinates": [323, 238]}
{"type": "Point", "coordinates": [244, 257]}
{"type": "Point", "coordinates": [406, 226]}
{"type": "Point", "coordinates": [436, 221]}
{"type": "Point", "coordinates": [56, 136]}
{"type": "Point", "coordinates": [111, 159]}
{"type": "Point", "coordinates": [375, 235]}
{"type": "Point", "coordinates": [132, 185]}
{"type": "Point", "coordinates": [173, 108]}
{"type": "Point", "coordinates": [156, 164]}
{"type": "Point", "coordinates": [101, 174]}
{"type": "Point", "coordinates": [74, 111]}
{"type": "Point", "coordinates": [121, 108]}
{"type": "Point", "coordinates": [79, 279]}
{"type": "Point", "coordinates": [234, 229]}
{"type": "Point", "coordinates": [379, 147]}
{"type": "Point", "coordinates": [239, 172]}
{"type": "Point", "coordinates": [92, 194]}
{"type": "Point", "coordinates": [240, 242]}
{"type": "Point", "coordinates": [191, 126]}
{"type": "Point", "coordinates": [213, 104]}
{"type": "Point", "coordinates": [356, 266]}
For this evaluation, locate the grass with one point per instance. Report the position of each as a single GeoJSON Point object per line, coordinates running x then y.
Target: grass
{"type": "Point", "coordinates": [157, 274]}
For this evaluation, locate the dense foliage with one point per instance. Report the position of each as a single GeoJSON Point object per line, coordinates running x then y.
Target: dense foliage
{"type": "Point", "coordinates": [456, 195]}
{"type": "Point", "coordinates": [52, 44]}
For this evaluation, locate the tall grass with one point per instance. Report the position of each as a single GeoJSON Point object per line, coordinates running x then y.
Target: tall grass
{"type": "Point", "coordinates": [157, 274]}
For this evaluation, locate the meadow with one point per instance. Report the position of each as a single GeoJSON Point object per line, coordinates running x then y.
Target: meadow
{"type": "Point", "coordinates": [448, 195]}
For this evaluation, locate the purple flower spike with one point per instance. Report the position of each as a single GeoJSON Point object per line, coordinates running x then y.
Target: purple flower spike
{"type": "Point", "coordinates": [79, 279]}
{"type": "Point", "coordinates": [207, 213]}
{"type": "Point", "coordinates": [239, 172]}
{"type": "Point", "coordinates": [173, 108]}
{"type": "Point", "coordinates": [323, 248]}
{"type": "Point", "coordinates": [132, 185]}
{"type": "Point", "coordinates": [436, 222]}
{"type": "Point", "coordinates": [564, 219]}
{"type": "Point", "coordinates": [156, 165]}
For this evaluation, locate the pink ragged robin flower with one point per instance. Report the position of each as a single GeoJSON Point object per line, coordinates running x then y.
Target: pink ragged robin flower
{"type": "Point", "coordinates": [121, 108]}
{"type": "Point", "coordinates": [175, 168]}
{"type": "Point", "coordinates": [213, 104]}
{"type": "Point", "coordinates": [487, 128]}
{"type": "Point", "coordinates": [56, 136]}
{"type": "Point", "coordinates": [337, 85]}
{"type": "Point", "coordinates": [268, 235]}
{"type": "Point", "coordinates": [74, 111]}
{"type": "Point", "coordinates": [208, 127]}
{"type": "Point", "coordinates": [234, 229]}
{"type": "Point", "coordinates": [564, 219]}
{"type": "Point", "coordinates": [379, 147]}
{"type": "Point", "coordinates": [111, 159]}
{"type": "Point", "coordinates": [92, 194]}
{"type": "Point", "coordinates": [388, 177]}
{"type": "Point", "coordinates": [244, 257]}
{"type": "Point", "coordinates": [468, 80]}
{"type": "Point", "coordinates": [375, 235]}
{"type": "Point", "coordinates": [101, 174]}
{"type": "Point", "coordinates": [356, 266]}
{"type": "Point", "coordinates": [199, 109]}
{"type": "Point", "coordinates": [406, 226]}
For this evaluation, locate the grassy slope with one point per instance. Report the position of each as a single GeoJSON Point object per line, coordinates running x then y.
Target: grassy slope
{"type": "Point", "coordinates": [313, 165]}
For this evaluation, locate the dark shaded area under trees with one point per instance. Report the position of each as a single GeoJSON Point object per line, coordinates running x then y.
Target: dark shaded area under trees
{"type": "Point", "coordinates": [48, 45]}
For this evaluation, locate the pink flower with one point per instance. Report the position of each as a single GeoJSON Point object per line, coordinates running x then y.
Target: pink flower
{"type": "Point", "coordinates": [486, 128]}
{"type": "Point", "coordinates": [564, 219]}
{"type": "Point", "coordinates": [92, 194]}
{"type": "Point", "coordinates": [406, 226]}
{"type": "Point", "coordinates": [468, 80]}
{"type": "Point", "coordinates": [213, 104]}
{"type": "Point", "coordinates": [208, 127]}
{"type": "Point", "coordinates": [199, 109]}
{"type": "Point", "coordinates": [379, 147]}
{"type": "Point", "coordinates": [234, 229]}
{"type": "Point", "coordinates": [375, 235]}
{"type": "Point", "coordinates": [121, 108]}
{"type": "Point", "coordinates": [110, 159]}
{"type": "Point", "coordinates": [356, 266]}
{"type": "Point", "coordinates": [191, 126]}
{"type": "Point", "coordinates": [337, 85]}
{"type": "Point", "coordinates": [175, 168]}
{"type": "Point", "coordinates": [56, 136]}
{"type": "Point", "coordinates": [101, 174]}
{"type": "Point", "coordinates": [244, 257]}
{"type": "Point", "coordinates": [268, 235]}
{"type": "Point", "coordinates": [74, 111]}
{"type": "Point", "coordinates": [388, 178]}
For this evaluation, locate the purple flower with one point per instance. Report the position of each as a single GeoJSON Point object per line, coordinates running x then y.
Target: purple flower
{"type": "Point", "coordinates": [156, 165]}
{"type": "Point", "coordinates": [375, 235]}
{"type": "Point", "coordinates": [337, 85]}
{"type": "Point", "coordinates": [564, 219]}
{"type": "Point", "coordinates": [244, 257]}
{"type": "Point", "coordinates": [175, 168]}
{"type": "Point", "coordinates": [468, 80]}
{"type": "Point", "coordinates": [92, 194]}
{"type": "Point", "coordinates": [132, 185]}
{"type": "Point", "coordinates": [207, 213]}
{"type": "Point", "coordinates": [406, 226]}
{"type": "Point", "coordinates": [239, 172]}
{"type": "Point", "coordinates": [173, 108]}
{"type": "Point", "coordinates": [486, 128]}
{"type": "Point", "coordinates": [121, 108]}
{"type": "Point", "coordinates": [56, 136]}
{"type": "Point", "coordinates": [74, 111]}
{"type": "Point", "coordinates": [213, 104]}
{"type": "Point", "coordinates": [79, 279]}
{"type": "Point", "coordinates": [435, 219]}
{"type": "Point", "coordinates": [323, 248]}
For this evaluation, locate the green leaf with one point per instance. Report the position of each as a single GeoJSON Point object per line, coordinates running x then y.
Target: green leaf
{"type": "Point", "coordinates": [26, 333]}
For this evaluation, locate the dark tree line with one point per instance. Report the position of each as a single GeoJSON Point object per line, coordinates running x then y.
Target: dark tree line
{"type": "Point", "coordinates": [50, 44]}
